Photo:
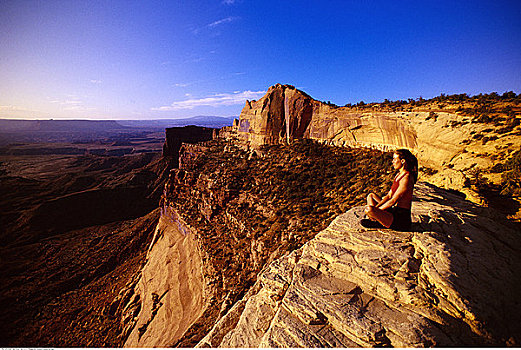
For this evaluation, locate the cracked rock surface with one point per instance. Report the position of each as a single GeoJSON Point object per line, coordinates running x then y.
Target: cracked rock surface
{"type": "Point", "coordinates": [453, 281]}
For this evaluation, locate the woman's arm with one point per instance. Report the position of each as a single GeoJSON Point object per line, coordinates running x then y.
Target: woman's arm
{"type": "Point", "coordinates": [384, 199]}
{"type": "Point", "coordinates": [400, 191]}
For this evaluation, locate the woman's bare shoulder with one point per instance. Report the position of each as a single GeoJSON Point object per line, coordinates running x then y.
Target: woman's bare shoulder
{"type": "Point", "coordinates": [406, 177]}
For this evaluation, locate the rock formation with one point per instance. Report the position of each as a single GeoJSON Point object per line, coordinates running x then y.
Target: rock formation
{"type": "Point", "coordinates": [454, 281]}
{"type": "Point", "coordinates": [176, 136]}
{"type": "Point", "coordinates": [235, 228]}
{"type": "Point", "coordinates": [169, 296]}
{"type": "Point", "coordinates": [285, 113]}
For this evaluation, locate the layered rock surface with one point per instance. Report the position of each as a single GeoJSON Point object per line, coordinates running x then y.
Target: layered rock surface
{"type": "Point", "coordinates": [453, 151]}
{"type": "Point", "coordinates": [454, 281]}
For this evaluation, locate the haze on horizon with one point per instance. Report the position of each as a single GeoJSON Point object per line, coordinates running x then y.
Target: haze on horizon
{"type": "Point", "coordinates": [177, 59]}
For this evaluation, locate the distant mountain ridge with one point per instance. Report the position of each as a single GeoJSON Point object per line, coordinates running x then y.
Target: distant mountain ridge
{"type": "Point", "coordinates": [207, 121]}
{"type": "Point", "coordinates": [51, 125]}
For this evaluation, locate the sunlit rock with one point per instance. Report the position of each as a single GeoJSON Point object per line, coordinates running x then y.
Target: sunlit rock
{"type": "Point", "coordinates": [453, 281]}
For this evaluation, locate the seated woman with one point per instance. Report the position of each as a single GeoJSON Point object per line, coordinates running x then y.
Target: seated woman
{"type": "Point", "coordinates": [394, 210]}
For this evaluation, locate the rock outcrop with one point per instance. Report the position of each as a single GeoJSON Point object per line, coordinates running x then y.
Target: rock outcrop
{"type": "Point", "coordinates": [241, 212]}
{"type": "Point", "coordinates": [190, 134]}
{"type": "Point", "coordinates": [454, 281]}
{"type": "Point", "coordinates": [233, 208]}
{"type": "Point", "coordinates": [170, 294]}
{"type": "Point", "coordinates": [438, 140]}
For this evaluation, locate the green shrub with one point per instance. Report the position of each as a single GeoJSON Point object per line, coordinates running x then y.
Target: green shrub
{"type": "Point", "coordinates": [511, 177]}
{"type": "Point", "coordinates": [432, 115]}
{"type": "Point", "coordinates": [482, 118]}
{"type": "Point", "coordinates": [477, 180]}
{"type": "Point", "coordinates": [485, 139]}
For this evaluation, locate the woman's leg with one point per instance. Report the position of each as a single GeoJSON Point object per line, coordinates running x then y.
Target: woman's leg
{"type": "Point", "coordinates": [382, 216]}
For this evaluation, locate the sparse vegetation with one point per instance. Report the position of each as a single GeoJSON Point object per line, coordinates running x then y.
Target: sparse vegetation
{"type": "Point", "coordinates": [511, 175]}
{"type": "Point", "coordinates": [493, 108]}
{"type": "Point", "coordinates": [485, 139]}
{"type": "Point", "coordinates": [477, 180]}
{"type": "Point", "coordinates": [478, 136]}
{"type": "Point", "coordinates": [250, 207]}
{"type": "Point", "coordinates": [307, 180]}
{"type": "Point", "coordinates": [432, 115]}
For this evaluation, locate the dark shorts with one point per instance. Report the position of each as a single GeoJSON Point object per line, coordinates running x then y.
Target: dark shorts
{"type": "Point", "coordinates": [401, 219]}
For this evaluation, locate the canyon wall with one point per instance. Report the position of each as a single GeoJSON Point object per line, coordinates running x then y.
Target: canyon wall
{"type": "Point", "coordinates": [189, 134]}
{"type": "Point", "coordinates": [170, 293]}
{"type": "Point", "coordinates": [444, 141]}
{"type": "Point", "coordinates": [285, 113]}
{"type": "Point", "coordinates": [452, 281]}
{"type": "Point", "coordinates": [214, 278]}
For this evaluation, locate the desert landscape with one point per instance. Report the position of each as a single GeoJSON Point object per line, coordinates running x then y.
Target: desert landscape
{"type": "Point", "coordinates": [68, 189]}
{"type": "Point", "coordinates": [148, 238]}
{"type": "Point", "coordinates": [260, 174]}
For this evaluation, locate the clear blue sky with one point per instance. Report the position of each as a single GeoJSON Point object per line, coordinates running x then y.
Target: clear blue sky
{"type": "Point", "coordinates": [173, 59]}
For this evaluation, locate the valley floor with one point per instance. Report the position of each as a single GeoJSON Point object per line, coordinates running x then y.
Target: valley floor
{"type": "Point", "coordinates": [74, 230]}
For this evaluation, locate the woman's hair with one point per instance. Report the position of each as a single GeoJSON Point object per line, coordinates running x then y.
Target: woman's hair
{"type": "Point", "coordinates": [411, 163]}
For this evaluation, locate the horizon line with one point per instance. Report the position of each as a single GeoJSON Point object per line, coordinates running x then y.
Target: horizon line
{"type": "Point", "coordinates": [115, 119]}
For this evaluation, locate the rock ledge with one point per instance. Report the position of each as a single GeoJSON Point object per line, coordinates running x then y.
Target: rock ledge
{"type": "Point", "coordinates": [454, 281]}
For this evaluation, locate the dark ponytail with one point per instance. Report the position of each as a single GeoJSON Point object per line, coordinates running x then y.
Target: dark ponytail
{"type": "Point", "coordinates": [411, 163]}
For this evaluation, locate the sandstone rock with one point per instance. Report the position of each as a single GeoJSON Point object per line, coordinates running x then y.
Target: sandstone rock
{"type": "Point", "coordinates": [285, 113]}
{"type": "Point", "coordinates": [454, 281]}
{"type": "Point", "coordinates": [190, 134]}
{"type": "Point", "coordinates": [170, 294]}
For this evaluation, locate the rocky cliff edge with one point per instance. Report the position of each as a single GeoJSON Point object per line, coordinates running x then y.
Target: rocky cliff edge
{"type": "Point", "coordinates": [454, 281]}
{"type": "Point", "coordinates": [452, 146]}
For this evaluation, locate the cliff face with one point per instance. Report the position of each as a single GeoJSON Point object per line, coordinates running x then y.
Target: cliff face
{"type": "Point", "coordinates": [452, 282]}
{"type": "Point", "coordinates": [226, 213]}
{"type": "Point", "coordinates": [170, 294]}
{"type": "Point", "coordinates": [283, 113]}
{"type": "Point", "coordinates": [215, 277]}
{"type": "Point", "coordinates": [190, 134]}
{"type": "Point", "coordinates": [444, 141]}
{"type": "Point", "coordinates": [246, 255]}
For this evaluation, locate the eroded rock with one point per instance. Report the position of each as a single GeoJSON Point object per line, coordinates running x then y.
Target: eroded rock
{"type": "Point", "coordinates": [453, 153]}
{"type": "Point", "coordinates": [169, 296]}
{"type": "Point", "coordinates": [454, 281]}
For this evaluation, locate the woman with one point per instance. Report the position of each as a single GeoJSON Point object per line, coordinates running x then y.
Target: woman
{"type": "Point", "coordinates": [394, 210]}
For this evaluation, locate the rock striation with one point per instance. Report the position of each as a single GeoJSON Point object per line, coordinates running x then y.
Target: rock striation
{"type": "Point", "coordinates": [440, 142]}
{"type": "Point", "coordinates": [454, 281]}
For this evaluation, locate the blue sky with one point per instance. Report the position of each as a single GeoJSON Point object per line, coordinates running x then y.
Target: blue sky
{"type": "Point", "coordinates": [174, 59]}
